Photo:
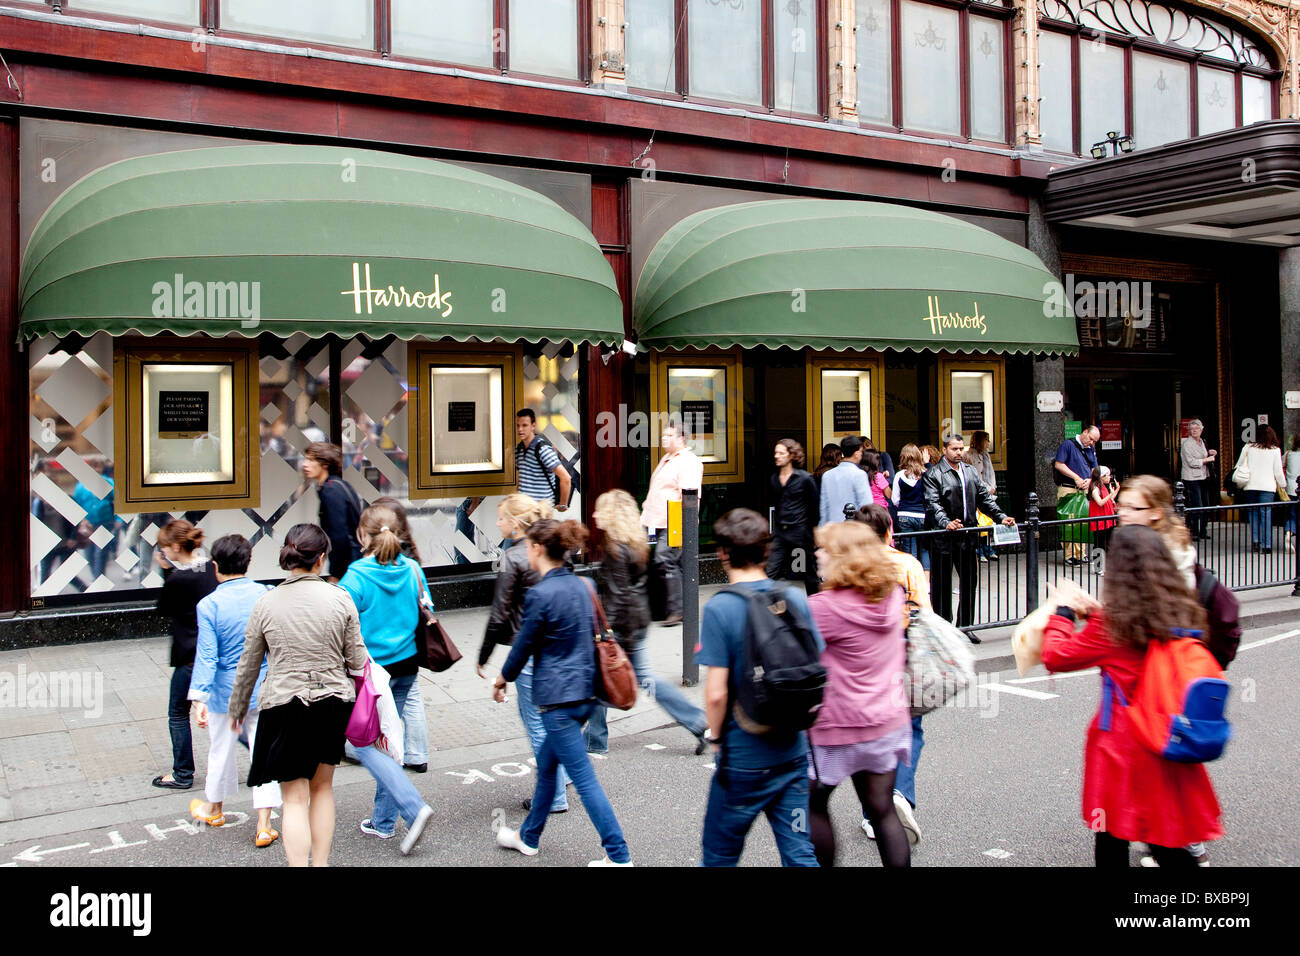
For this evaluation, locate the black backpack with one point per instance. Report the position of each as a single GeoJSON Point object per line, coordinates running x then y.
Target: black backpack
{"type": "Point", "coordinates": [574, 478]}
{"type": "Point", "coordinates": [782, 681]}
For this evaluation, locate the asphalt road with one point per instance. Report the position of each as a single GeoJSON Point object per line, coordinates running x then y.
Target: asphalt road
{"type": "Point", "coordinates": [998, 786]}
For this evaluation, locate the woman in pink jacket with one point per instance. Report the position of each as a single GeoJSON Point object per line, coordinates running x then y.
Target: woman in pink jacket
{"type": "Point", "coordinates": [863, 730]}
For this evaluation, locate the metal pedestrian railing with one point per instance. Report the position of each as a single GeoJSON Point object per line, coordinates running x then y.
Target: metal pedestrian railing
{"type": "Point", "coordinates": [1244, 545]}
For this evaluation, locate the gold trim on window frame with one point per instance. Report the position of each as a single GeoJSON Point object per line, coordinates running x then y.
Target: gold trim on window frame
{"type": "Point", "coordinates": [422, 482]}
{"type": "Point", "coordinates": [819, 362]}
{"type": "Point", "coordinates": [130, 494]}
{"type": "Point", "coordinates": [998, 433]}
{"type": "Point", "coordinates": [731, 471]}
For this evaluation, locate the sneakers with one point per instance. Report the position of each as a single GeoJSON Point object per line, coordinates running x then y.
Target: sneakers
{"type": "Point", "coordinates": [866, 828]}
{"type": "Point", "coordinates": [509, 839]}
{"type": "Point", "coordinates": [1148, 861]}
{"type": "Point", "coordinates": [1202, 859]}
{"type": "Point", "coordinates": [907, 818]}
{"type": "Point", "coordinates": [608, 862]}
{"type": "Point", "coordinates": [368, 830]}
{"type": "Point", "coordinates": [416, 830]}
{"type": "Point", "coordinates": [416, 767]}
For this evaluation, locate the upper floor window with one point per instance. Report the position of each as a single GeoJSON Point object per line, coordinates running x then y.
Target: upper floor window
{"type": "Point", "coordinates": [933, 68]}
{"type": "Point", "coordinates": [1147, 69]}
{"type": "Point", "coordinates": [764, 53]}
{"type": "Point", "coordinates": [539, 37]}
{"type": "Point", "coordinates": [335, 22]}
{"type": "Point", "coordinates": [168, 11]}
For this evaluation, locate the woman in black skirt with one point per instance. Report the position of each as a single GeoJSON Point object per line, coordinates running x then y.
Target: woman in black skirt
{"type": "Point", "coordinates": [309, 631]}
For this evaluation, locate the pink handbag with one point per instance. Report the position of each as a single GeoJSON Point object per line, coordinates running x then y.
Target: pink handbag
{"type": "Point", "coordinates": [363, 725]}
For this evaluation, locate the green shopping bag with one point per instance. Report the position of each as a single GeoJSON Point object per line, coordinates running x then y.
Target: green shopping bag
{"type": "Point", "coordinates": [1074, 506]}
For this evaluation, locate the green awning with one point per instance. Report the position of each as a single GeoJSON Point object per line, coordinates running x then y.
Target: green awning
{"type": "Point", "coordinates": [314, 239]}
{"type": "Point", "coordinates": [830, 274]}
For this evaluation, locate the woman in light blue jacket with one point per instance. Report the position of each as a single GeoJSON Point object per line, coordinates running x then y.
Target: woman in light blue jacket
{"type": "Point", "coordinates": [387, 588]}
{"type": "Point", "coordinates": [222, 618]}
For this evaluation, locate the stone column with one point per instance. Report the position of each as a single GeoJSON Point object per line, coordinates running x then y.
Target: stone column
{"type": "Point", "coordinates": [1289, 307]}
{"type": "Point", "coordinates": [843, 59]}
{"type": "Point", "coordinates": [608, 45]}
{"type": "Point", "coordinates": [1049, 371]}
{"type": "Point", "coordinates": [1024, 63]}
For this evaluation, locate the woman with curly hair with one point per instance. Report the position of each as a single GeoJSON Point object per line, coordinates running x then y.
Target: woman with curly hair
{"type": "Point", "coordinates": [1149, 501]}
{"type": "Point", "coordinates": [622, 583]}
{"type": "Point", "coordinates": [863, 730]}
{"type": "Point", "coordinates": [1130, 792]}
{"type": "Point", "coordinates": [798, 506]}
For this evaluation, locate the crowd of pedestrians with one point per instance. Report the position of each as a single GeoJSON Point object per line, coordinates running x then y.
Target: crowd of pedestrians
{"type": "Point", "coordinates": [281, 664]}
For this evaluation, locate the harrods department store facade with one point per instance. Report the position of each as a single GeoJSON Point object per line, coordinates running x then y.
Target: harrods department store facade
{"type": "Point", "coordinates": [232, 227]}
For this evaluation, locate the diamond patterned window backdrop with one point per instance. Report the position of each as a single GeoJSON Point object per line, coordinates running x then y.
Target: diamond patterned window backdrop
{"type": "Point", "coordinates": [79, 545]}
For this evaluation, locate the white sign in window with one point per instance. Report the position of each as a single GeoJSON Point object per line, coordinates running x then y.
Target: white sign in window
{"type": "Point", "coordinates": [846, 402]}
{"type": "Point", "coordinates": [698, 397]}
{"type": "Point", "coordinates": [466, 431]}
{"type": "Point", "coordinates": [188, 422]}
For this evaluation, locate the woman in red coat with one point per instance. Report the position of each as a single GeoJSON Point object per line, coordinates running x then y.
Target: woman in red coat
{"type": "Point", "coordinates": [1130, 792]}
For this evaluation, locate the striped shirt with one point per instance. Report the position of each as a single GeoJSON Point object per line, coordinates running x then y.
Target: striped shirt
{"type": "Point", "coordinates": [533, 481]}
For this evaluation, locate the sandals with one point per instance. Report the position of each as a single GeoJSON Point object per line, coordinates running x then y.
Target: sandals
{"type": "Point", "coordinates": [215, 820]}
{"type": "Point", "coordinates": [266, 837]}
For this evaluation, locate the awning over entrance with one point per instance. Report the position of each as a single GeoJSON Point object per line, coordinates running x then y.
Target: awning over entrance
{"type": "Point", "coordinates": [1240, 185]}
{"type": "Point", "coordinates": [830, 274]}
{"type": "Point", "coordinates": [285, 239]}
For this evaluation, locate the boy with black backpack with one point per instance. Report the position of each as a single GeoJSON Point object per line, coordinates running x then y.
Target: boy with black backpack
{"type": "Point", "coordinates": [762, 691]}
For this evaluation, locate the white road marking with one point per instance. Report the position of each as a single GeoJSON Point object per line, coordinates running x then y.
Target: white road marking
{"type": "Point", "coordinates": [1092, 671]}
{"type": "Point", "coordinates": [34, 854]}
{"type": "Point", "coordinates": [999, 854]}
{"type": "Point", "coordinates": [117, 843]}
{"type": "Point", "coordinates": [1019, 691]}
{"type": "Point", "coordinates": [1268, 640]}
{"type": "Point", "coordinates": [655, 747]}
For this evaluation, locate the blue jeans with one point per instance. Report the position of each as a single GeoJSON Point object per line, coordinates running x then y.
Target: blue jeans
{"type": "Point", "coordinates": [664, 693]}
{"type": "Point", "coordinates": [537, 733]}
{"type": "Point", "coordinates": [394, 792]}
{"type": "Point", "coordinates": [905, 782]}
{"type": "Point", "coordinates": [178, 724]}
{"type": "Point", "coordinates": [737, 797]}
{"type": "Point", "coordinates": [563, 747]}
{"type": "Point", "coordinates": [415, 723]}
{"type": "Point", "coordinates": [1261, 519]}
{"type": "Point", "coordinates": [914, 546]}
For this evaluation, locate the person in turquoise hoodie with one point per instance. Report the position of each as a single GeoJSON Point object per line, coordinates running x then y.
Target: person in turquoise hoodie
{"type": "Point", "coordinates": [387, 588]}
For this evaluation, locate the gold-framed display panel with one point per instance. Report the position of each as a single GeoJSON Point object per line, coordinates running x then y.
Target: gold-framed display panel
{"type": "Point", "coordinates": [724, 459]}
{"type": "Point", "coordinates": [820, 415]}
{"type": "Point", "coordinates": [482, 471]}
{"type": "Point", "coordinates": [990, 372]}
{"type": "Point", "coordinates": [224, 367]}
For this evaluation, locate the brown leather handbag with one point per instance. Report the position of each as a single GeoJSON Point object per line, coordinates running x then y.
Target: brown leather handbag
{"type": "Point", "coordinates": [615, 678]}
{"type": "Point", "coordinates": [437, 650]}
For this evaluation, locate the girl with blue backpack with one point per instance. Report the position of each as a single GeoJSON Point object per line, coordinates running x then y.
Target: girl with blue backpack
{"type": "Point", "coordinates": [1161, 713]}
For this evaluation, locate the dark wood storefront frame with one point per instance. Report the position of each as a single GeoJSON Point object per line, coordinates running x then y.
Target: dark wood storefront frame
{"type": "Point", "coordinates": [1151, 270]}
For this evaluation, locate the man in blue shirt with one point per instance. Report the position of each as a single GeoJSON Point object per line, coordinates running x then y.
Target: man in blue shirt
{"type": "Point", "coordinates": [1074, 462]}
{"type": "Point", "coordinates": [755, 774]}
{"type": "Point", "coordinates": [846, 483]}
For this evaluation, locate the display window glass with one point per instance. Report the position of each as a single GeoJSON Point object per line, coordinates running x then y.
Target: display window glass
{"type": "Point", "coordinates": [702, 391]}
{"type": "Point", "coordinates": [185, 425]}
{"type": "Point", "coordinates": [462, 403]}
{"type": "Point", "coordinates": [971, 399]}
{"type": "Point", "coordinates": [846, 396]}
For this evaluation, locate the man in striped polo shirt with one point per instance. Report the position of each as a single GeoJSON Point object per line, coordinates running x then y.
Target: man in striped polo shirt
{"type": "Point", "coordinates": [542, 475]}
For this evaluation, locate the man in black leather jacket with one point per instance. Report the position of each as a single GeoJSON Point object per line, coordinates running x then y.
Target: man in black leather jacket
{"type": "Point", "coordinates": [953, 495]}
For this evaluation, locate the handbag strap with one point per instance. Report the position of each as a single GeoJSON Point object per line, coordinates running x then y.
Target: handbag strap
{"type": "Point", "coordinates": [602, 624]}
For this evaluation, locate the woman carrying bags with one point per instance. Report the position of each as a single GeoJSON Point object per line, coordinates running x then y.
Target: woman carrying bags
{"type": "Point", "coordinates": [1259, 475]}
{"type": "Point", "coordinates": [1129, 791]}
{"type": "Point", "coordinates": [622, 583]}
{"type": "Point", "coordinates": [386, 589]}
{"type": "Point", "coordinates": [307, 629]}
{"type": "Point", "coordinates": [558, 634]}
{"type": "Point", "coordinates": [863, 730]}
